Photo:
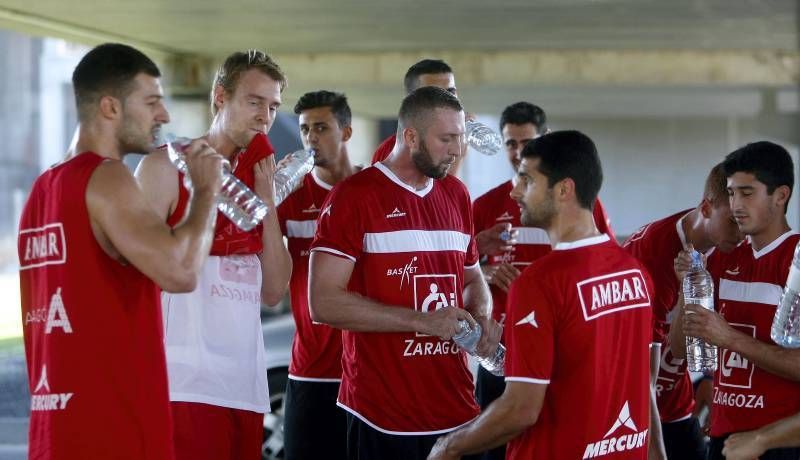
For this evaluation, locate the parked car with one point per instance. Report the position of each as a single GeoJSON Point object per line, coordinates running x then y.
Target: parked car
{"type": "Point", "coordinates": [278, 332]}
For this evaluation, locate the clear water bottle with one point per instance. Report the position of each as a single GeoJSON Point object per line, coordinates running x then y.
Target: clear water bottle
{"type": "Point", "coordinates": [786, 325]}
{"type": "Point", "coordinates": [235, 200]}
{"type": "Point", "coordinates": [286, 178]}
{"type": "Point", "coordinates": [467, 338]}
{"type": "Point", "coordinates": [698, 289]}
{"type": "Point", "coordinates": [483, 138]}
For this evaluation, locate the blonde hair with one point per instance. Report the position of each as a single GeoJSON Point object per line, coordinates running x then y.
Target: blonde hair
{"type": "Point", "coordinates": [236, 64]}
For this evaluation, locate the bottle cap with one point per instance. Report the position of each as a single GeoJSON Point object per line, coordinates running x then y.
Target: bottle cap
{"type": "Point", "coordinates": [697, 259]}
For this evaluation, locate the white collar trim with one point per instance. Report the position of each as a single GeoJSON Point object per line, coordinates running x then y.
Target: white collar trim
{"type": "Point", "coordinates": [582, 243]}
{"type": "Point", "coordinates": [768, 248]}
{"type": "Point", "coordinates": [319, 181]}
{"type": "Point", "coordinates": [392, 177]}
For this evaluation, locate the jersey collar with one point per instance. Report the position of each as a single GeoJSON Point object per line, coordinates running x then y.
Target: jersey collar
{"type": "Point", "coordinates": [392, 177]}
{"type": "Point", "coordinates": [582, 243]}
{"type": "Point", "coordinates": [319, 181]}
{"type": "Point", "coordinates": [768, 248]}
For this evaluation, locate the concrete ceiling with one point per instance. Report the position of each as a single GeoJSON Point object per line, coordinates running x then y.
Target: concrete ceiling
{"type": "Point", "coordinates": [206, 27]}
{"type": "Point", "coordinates": [499, 47]}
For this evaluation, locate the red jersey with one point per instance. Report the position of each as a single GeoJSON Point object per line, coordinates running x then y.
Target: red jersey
{"type": "Point", "coordinates": [410, 249]}
{"type": "Point", "coordinates": [383, 150]}
{"type": "Point", "coordinates": [751, 283]}
{"type": "Point", "coordinates": [601, 220]}
{"type": "Point", "coordinates": [656, 245]}
{"type": "Point", "coordinates": [93, 334]}
{"type": "Point", "coordinates": [579, 322]}
{"type": "Point", "coordinates": [496, 207]}
{"type": "Point", "coordinates": [316, 348]}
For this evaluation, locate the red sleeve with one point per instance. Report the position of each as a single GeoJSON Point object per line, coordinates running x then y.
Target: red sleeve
{"type": "Point", "coordinates": [530, 325]}
{"type": "Point", "coordinates": [659, 321]}
{"type": "Point", "coordinates": [479, 214]}
{"type": "Point", "coordinates": [602, 221]}
{"type": "Point", "coordinates": [284, 209]}
{"type": "Point", "coordinates": [715, 266]}
{"type": "Point", "coordinates": [472, 256]}
{"type": "Point", "coordinates": [339, 228]}
{"type": "Point", "coordinates": [383, 150]}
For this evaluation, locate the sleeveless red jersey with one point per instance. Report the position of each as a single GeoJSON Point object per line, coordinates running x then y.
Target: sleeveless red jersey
{"type": "Point", "coordinates": [93, 334]}
{"type": "Point", "coordinates": [656, 245]}
{"type": "Point", "coordinates": [316, 348]}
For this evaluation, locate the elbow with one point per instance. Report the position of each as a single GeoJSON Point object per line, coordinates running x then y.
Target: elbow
{"type": "Point", "coordinates": [522, 420]}
{"type": "Point", "coordinates": [272, 295]}
{"type": "Point", "coordinates": [316, 307]}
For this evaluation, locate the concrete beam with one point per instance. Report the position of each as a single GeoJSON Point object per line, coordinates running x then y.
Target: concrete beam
{"type": "Point", "coordinates": [579, 67]}
{"type": "Point", "coordinates": [32, 24]}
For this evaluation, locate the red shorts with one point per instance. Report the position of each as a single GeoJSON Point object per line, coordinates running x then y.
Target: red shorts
{"type": "Point", "coordinates": [203, 431]}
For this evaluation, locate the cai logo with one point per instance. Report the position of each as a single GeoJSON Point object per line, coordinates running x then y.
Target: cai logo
{"type": "Point", "coordinates": [734, 369]}
{"type": "Point", "coordinates": [432, 292]}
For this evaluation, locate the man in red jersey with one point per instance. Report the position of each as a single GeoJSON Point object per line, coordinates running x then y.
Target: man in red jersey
{"type": "Point", "coordinates": [495, 212]}
{"type": "Point", "coordinates": [708, 226]}
{"type": "Point", "coordinates": [427, 72]}
{"type": "Point", "coordinates": [756, 381]}
{"type": "Point", "coordinates": [394, 264]}
{"type": "Point", "coordinates": [315, 370]}
{"type": "Point", "coordinates": [92, 256]}
{"type": "Point", "coordinates": [214, 342]}
{"type": "Point", "coordinates": [505, 246]}
{"type": "Point", "coordinates": [578, 327]}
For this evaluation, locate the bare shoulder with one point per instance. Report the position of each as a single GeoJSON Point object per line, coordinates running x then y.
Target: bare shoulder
{"type": "Point", "coordinates": [111, 190]}
{"type": "Point", "coordinates": [155, 165]}
{"type": "Point", "coordinates": [111, 180]}
{"type": "Point", "coordinates": [158, 179]}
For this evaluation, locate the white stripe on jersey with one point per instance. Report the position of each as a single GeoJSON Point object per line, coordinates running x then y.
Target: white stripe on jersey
{"type": "Point", "coordinates": [415, 241]}
{"type": "Point", "coordinates": [528, 235]}
{"type": "Point", "coordinates": [740, 291]}
{"type": "Point", "coordinates": [301, 228]}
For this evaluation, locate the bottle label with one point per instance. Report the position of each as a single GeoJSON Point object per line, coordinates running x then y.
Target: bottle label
{"type": "Point", "coordinates": [793, 280]}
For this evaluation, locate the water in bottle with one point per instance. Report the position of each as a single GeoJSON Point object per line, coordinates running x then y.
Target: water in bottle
{"type": "Point", "coordinates": [235, 200]}
{"type": "Point", "coordinates": [786, 325]}
{"type": "Point", "coordinates": [467, 338]}
{"type": "Point", "coordinates": [286, 178]}
{"type": "Point", "coordinates": [698, 289]}
{"type": "Point", "coordinates": [483, 138]}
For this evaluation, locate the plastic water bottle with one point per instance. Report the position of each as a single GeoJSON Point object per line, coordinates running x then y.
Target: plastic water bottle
{"type": "Point", "coordinates": [467, 338]}
{"type": "Point", "coordinates": [483, 138]}
{"type": "Point", "coordinates": [286, 178]}
{"type": "Point", "coordinates": [698, 289]}
{"type": "Point", "coordinates": [235, 200]}
{"type": "Point", "coordinates": [786, 325]}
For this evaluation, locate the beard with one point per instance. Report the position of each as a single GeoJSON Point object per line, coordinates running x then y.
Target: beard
{"type": "Point", "coordinates": [542, 215]}
{"type": "Point", "coordinates": [134, 140]}
{"type": "Point", "coordinates": [424, 162]}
